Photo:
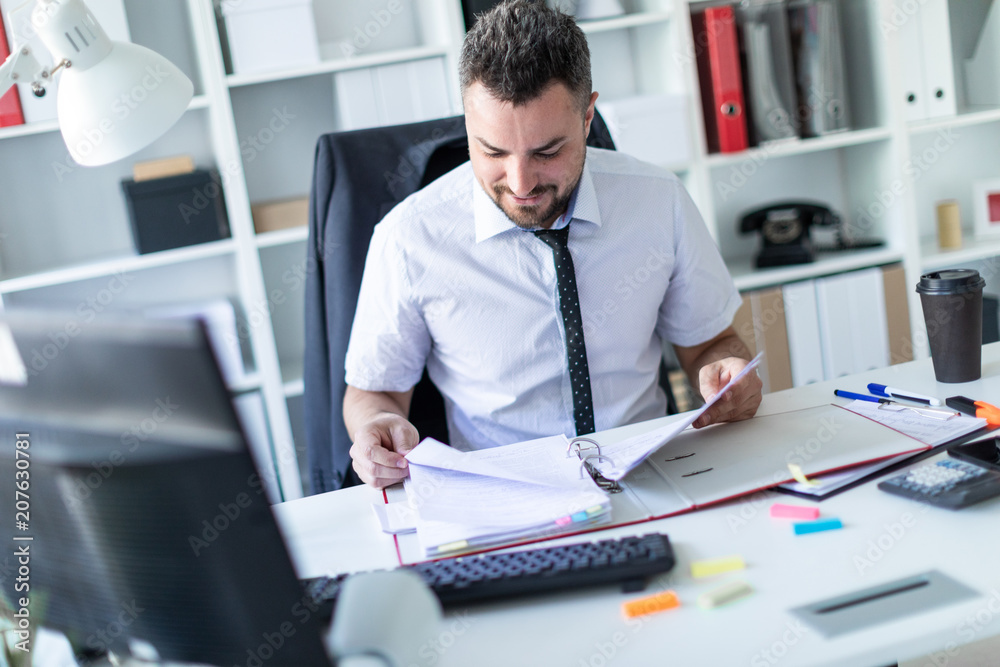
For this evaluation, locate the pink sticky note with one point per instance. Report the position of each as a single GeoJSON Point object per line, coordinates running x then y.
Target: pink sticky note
{"type": "Point", "coordinates": [780, 511]}
{"type": "Point", "coordinates": [563, 520]}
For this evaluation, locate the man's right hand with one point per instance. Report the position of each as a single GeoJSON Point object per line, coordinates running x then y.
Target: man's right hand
{"type": "Point", "coordinates": [378, 449]}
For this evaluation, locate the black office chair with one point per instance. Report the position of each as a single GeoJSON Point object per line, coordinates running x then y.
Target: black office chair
{"type": "Point", "coordinates": [358, 177]}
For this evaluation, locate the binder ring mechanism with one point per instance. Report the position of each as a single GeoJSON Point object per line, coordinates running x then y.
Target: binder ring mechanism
{"type": "Point", "coordinates": [577, 446]}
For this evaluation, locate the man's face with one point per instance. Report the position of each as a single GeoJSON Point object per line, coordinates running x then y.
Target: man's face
{"type": "Point", "coordinates": [528, 158]}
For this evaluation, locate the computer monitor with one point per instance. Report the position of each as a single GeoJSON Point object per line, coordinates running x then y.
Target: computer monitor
{"type": "Point", "coordinates": [140, 510]}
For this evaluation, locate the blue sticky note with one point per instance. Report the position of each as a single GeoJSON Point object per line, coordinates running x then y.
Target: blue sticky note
{"type": "Point", "coordinates": [805, 527]}
{"type": "Point", "coordinates": [580, 516]}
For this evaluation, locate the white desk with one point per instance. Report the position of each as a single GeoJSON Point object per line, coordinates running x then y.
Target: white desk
{"type": "Point", "coordinates": [884, 538]}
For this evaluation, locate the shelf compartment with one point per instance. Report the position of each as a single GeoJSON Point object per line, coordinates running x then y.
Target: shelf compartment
{"type": "Point", "coordinates": [111, 266]}
{"type": "Point", "coordinates": [338, 65]}
{"type": "Point", "coordinates": [944, 165]}
{"type": "Point", "coordinates": [747, 277]}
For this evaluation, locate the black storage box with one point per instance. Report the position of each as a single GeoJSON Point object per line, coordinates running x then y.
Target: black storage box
{"type": "Point", "coordinates": [176, 211]}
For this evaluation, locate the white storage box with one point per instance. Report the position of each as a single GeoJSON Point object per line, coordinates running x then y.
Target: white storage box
{"type": "Point", "coordinates": [653, 128]}
{"type": "Point", "coordinates": [270, 34]}
{"type": "Point", "coordinates": [407, 92]}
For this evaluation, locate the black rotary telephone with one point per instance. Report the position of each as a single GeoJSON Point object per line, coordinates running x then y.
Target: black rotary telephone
{"type": "Point", "coordinates": [784, 228]}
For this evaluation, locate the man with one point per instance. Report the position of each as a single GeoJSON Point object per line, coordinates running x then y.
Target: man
{"type": "Point", "coordinates": [529, 326]}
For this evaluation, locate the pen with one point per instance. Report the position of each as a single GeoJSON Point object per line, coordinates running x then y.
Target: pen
{"type": "Point", "coordinates": [860, 397]}
{"type": "Point", "coordinates": [882, 390]}
{"type": "Point", "coordinates": [886, 401]}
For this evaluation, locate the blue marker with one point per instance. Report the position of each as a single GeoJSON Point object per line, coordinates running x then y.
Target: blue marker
{"type": "Point", "coordinates": [860, 397]}
{"type": "Point", "coordinates": [882, 390]}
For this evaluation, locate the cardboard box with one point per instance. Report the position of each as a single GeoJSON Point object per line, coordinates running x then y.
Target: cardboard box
{"type": "Point", "coordinates": [170, 166]}
{"type": "Point", "coordinates": [280, 214]}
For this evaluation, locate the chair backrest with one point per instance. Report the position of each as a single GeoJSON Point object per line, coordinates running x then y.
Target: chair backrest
{"type": "Point", "coordinates": [358, 177]}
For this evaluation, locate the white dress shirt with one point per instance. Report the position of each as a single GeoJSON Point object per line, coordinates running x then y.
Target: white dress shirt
{"type": "Point", "coordinates": [452, 283]}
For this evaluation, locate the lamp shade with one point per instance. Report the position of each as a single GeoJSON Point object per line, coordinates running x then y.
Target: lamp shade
{"type": "Point", "coordinates": [120, 105]}
{"type": "Point", "coordinates": [115, 98]}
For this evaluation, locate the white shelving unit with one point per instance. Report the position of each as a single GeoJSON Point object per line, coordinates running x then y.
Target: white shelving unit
{"type": "Point", "coordinates": [64, 231]}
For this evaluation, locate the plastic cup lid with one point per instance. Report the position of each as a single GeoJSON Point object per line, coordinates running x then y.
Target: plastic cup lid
{"type": "Point", "coordinates": [950, 281]}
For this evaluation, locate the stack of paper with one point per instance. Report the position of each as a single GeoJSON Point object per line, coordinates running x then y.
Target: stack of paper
{"type": "Point", "coordinates": [474, 500]}
{"type": "Point", "coordinates": [539, 488]}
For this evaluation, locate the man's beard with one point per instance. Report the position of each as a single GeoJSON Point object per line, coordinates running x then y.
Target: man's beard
{"type": "Point", "coordinates": [530, 217]}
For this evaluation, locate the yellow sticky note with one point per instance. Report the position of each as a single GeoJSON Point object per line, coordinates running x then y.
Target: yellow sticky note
{"type": "Point", "coordinates": [800, 476]}
{"type": "Point", "coordinates": [708, 568]}
{"type": "Point", "coordinates": [650, 604]}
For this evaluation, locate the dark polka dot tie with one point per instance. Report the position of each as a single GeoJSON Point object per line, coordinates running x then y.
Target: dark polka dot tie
{"type": "Point", "coordinates": [576, 349]}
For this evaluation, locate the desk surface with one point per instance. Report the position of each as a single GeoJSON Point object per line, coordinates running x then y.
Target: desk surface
{"type": "Point", "coordinates": [884, 538]}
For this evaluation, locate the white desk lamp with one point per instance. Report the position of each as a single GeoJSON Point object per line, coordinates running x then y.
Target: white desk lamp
{"type": "Point", "coordinates": [114, 99]}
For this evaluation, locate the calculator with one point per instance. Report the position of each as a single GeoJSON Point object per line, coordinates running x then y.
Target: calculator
{"type": "Point", "coordinates": [950, 484]}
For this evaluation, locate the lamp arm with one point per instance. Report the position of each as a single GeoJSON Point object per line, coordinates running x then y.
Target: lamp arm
{"type": "Point", "coordinates": [22, 67]}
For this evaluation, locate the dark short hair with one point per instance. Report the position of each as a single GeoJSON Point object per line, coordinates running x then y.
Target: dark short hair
{"type": "Point", "coordinates": [518, 48]}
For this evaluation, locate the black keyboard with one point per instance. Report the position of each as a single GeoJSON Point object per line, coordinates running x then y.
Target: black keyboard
{"type": "Point", "coordinates": [465, 579]}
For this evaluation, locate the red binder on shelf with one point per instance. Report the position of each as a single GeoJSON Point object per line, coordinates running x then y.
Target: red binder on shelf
{"type": "Point", "coordinates": [719, 74]}
{"type": "Point", "coordinates": [10, 104]}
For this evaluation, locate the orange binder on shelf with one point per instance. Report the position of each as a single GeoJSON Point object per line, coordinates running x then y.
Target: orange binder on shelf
{"type": "Point", "coordinates": [719, 74]}
{"type": "Point", "coordinates": [10, 104]}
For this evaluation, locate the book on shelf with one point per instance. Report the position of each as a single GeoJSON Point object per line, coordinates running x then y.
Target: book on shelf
{"type": "Point", "coordinates": [719, 75]}
{"type": "Point", "coordinates": [820, 72]}
{"type": "Point", "coordinates": [766, 56]}
{"type": "Point", "coordinates": [10, 103]}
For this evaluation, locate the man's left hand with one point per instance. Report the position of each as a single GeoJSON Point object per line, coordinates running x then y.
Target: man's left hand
{"type": "Point", "coordinates": [739, 402]}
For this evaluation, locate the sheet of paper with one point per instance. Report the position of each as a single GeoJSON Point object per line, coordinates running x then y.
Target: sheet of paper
{"type": "Point", "coordinates": [467, 511]}
{"type": "Point", "coordinates": [442, 495]}
{"type": "Point", "coordinates": [541, 461]}
{"type": "Point", "coordinates": [627, 454]}
{"type": "Point", "coordinates": [433, 454]}
{"type": "Point", "coordinates": [926, 429]}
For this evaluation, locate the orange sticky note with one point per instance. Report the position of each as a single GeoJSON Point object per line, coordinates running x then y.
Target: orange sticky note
{"type": "Point", "coordinates": [650, 604]}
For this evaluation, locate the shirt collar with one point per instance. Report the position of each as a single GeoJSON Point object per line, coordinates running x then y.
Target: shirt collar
{"type": "Point", "coordinates": [490, 220]}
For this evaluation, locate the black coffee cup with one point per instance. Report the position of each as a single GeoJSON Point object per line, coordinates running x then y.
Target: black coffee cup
{"type": "Point", "coordinates": [952, 302]}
